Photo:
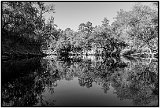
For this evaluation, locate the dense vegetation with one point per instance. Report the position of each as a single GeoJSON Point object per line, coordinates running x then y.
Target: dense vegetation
{"type": "Point", "coordinates": [23, 28]}
{"type": "Point", "coordinates": [25, 32]}
{"type": "Point", "coordinates": [136, 30]}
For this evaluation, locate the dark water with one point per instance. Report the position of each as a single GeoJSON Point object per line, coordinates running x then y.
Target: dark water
{"type": "Point", "coordinates": [80, 81]}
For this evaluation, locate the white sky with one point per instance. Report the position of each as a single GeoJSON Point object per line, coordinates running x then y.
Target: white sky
{"type": "Point", "coordinates": [72, 14]}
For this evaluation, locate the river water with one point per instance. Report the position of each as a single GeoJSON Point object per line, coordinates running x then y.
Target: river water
{"type": "Point", "coordinates": [80, 81]}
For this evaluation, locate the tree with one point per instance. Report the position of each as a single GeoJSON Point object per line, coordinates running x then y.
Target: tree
{"type": "Point", "coordinates": [138, 24]}
{"type": "Point", "coordinates": [24, 17]}
{"type": "Point", "coordinates": [24, 22]}
{"type": "Point", "coordinates": [105, 22]}
{"type": "Point", "coordinates": [81, 27]}
{"type": "Point", "coordinates": [89, 28]}
{"type": "Point", "coordinates": [86, 28]}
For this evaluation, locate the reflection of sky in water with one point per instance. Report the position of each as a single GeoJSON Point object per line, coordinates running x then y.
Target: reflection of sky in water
{"type": "Point", "coordinates": [86, 82]}
{"type": "Point", "coordinates": [69, 93]}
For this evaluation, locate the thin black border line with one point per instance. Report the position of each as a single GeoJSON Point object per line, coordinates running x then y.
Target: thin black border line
{"type": "Point", "coordinates": [85, 1]}
{"type": "Point", "coordinates": [79, 1]}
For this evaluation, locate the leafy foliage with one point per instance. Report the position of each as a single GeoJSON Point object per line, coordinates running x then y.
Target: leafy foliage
{"type": "Point", "coordinates": [23, 22]}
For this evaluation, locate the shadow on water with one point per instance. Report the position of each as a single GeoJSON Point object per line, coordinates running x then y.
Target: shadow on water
{"type": "Point", "coordinates": [17, 68]}
{"type": "Point", "coordinates": [18, 82]}
{"type": "Point", "coordinates": [79, 81]}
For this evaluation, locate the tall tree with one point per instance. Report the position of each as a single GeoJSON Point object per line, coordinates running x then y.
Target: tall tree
{"type": "Point", "coordinates": [138, 24]}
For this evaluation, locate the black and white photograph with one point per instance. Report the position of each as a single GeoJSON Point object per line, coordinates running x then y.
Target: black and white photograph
{"type": "Point", "coordinates": [79, 54]}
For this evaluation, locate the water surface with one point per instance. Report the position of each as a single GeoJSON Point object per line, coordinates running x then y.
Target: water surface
{"type": "Point", "coordinates": [80, 81]}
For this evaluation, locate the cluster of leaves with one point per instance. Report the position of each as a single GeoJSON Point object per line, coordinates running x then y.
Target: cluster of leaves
{"type": "Point", "coordinates": [138, 26]}
{"type": "Point", "coordinates": [24, 21]}
{"type": "Point", "coordinates": [87, 36]}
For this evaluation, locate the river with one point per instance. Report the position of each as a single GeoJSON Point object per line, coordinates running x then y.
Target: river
{"type": "Point", "coordinates": [80, 81]}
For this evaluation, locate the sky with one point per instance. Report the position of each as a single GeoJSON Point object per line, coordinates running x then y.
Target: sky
{"type": "Point", "coordinates": [72, 14]}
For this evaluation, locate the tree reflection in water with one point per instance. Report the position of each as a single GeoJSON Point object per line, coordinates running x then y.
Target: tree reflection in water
{"type": "Point", "coordinates": [131, 79]}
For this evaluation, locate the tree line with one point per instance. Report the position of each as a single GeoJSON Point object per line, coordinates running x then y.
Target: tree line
{"type": "Point", "coordinates": [135, 29]}
{"type": "Point", "coordinates": [23, 23]}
